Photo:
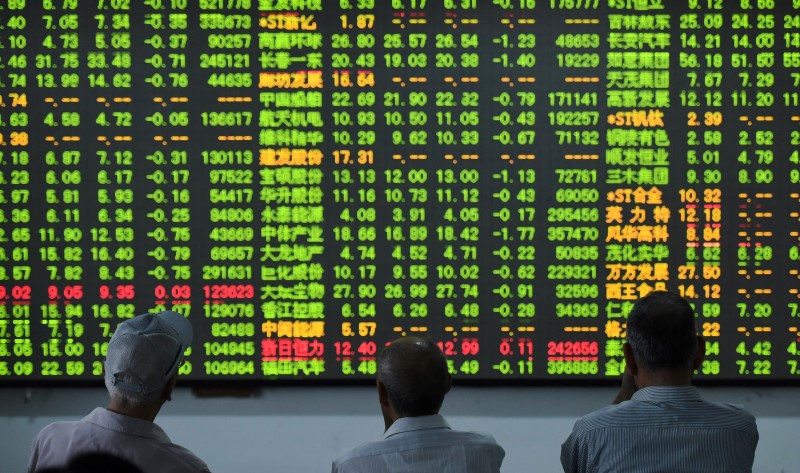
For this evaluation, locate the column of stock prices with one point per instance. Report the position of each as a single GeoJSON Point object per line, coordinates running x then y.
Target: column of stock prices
{"type": "Point", "coordinates": [306, 180]}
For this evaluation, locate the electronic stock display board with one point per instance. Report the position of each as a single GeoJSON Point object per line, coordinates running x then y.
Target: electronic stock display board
{"type": "Point", "coordinates": [306, 180]}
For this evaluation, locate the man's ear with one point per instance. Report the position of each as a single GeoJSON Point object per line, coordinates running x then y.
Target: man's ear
{"type": "Point", "coordinates": [630, 361]}
{"type": "Point", "coordinates": [383, 395]}
{"type": "Point", "coordinates": [700, 354]}
{"type": "Point", "coordinates": [167, 393]}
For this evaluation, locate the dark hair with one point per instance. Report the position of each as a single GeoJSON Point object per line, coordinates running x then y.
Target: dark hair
{"type": "Point", "coordinates": [661, 332]}
{"type": "Point", "coordinates": [414, 372]}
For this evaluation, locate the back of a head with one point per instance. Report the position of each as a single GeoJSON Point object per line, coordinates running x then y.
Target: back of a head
{"type": "Point", "coordinates": [661, 332]}
{"type": "Point", "coordinates": [144, 355]}
{"type": "Point", "coordinates": [414, 372]}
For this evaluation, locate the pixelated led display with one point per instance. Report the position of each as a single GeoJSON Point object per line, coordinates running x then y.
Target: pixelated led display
{"type": "Point", "coordinates": [306, 180]}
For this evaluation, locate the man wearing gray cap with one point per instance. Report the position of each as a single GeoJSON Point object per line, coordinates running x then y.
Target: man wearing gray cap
{"type": "Point", "coordinates": [141, 369]}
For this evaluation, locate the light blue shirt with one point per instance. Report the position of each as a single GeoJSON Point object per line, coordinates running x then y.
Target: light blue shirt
{"type": "Point", "coordinates": [663, 429]}
{"type": "Point", "coordinates": [142, 443]}
{"type": "Point", "coordinates": [424, 444]}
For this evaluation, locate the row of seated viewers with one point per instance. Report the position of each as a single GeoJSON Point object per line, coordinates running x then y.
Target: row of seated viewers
{"type": "Point", "coordinates": [657, 422]}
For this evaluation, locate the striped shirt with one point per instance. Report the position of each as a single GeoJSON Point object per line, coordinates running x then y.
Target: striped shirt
{"type": "Point", "coordinates": [663, 429]}
{"type": "Point", "coordinates": [424, 444]}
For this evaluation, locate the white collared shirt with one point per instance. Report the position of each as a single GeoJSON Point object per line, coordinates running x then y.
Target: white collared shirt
{"type": "Point", "coordinates": [424, 444]}
{"type": "Point", "coordinates": [142, 443]}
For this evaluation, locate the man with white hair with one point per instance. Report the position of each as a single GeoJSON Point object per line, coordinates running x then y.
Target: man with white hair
{"type": "Point", "coordinates": [141, 369]}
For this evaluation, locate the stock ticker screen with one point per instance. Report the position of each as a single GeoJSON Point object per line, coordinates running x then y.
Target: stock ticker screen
{"type": "Point", "coordinates": [306, 180]}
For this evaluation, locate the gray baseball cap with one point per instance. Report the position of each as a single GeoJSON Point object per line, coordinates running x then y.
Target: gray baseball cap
{"type": "Point", "coordinates": [146, 350]}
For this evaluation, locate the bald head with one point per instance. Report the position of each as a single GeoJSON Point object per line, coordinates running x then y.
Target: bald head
{"type": "Point", "coordinates": [414, 372]}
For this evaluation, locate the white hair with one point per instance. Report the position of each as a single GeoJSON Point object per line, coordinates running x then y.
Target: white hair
{"type": "Point", "coordinates": [133, 399]}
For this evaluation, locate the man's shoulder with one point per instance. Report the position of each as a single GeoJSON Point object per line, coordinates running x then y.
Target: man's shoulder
{"type": "Point", "coordinates": [480, 441]}
{"type": "Point", "coordinates": [188, 458]}
{"type": "Point", "coordinates": [358, 454]}
{"type": "Point", "coordinates": [422, 439]}
{"type": "Point", "coordinates": [58, 429]}
{"type": "Point", "coordinates": [57, 442]}
{"type": "Point", "coordinates": [470, 436]}
{"type": "Point", "coordinates": [641, 413]}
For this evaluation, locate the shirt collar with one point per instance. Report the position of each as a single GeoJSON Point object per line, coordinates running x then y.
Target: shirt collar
{"type": "Point", "coordinates": [408, 424]}
{"type": "Point", "coordinates": [129, 425]}
{"type": "Point", "coordinates": [667, 394]}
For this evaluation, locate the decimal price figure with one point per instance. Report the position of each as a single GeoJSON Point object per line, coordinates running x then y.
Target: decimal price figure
{"type": "Point", "coordinates": [356, 182]}
{"type": "Point", "coordinates": [457, 273]}
{"type": "Point", "coordinates": [115, 223]}
{"type": "Point", "coordinates": [20, 179]}
{"type": "Point", "coordinates": [167, 170]}
{"type": "Point", "coordinates": [510, 132]}
{"type": "Point", "coordinates": [756, 90]}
